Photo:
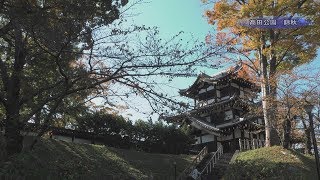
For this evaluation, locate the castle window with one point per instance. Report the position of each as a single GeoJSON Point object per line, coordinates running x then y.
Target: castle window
{"type": "Point", "coordinates": [228, 115]}
{"type": "Point", "coordinates": [208, 119]}
{"type": "Point", "coordinates": [218, 94]}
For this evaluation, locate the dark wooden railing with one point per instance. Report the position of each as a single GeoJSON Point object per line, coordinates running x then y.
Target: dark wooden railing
{"type": "Point", "coordinates": [198, 158]}
{"type": "Point", "coordinates": [248, 144]}
{"type": "Point", "coordinates": [212, 162]}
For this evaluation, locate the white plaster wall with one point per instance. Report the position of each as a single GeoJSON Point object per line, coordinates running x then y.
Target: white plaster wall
{"type": "Point", "coordinates": [210, 101]}
{"type": "Point", "coordinates": [237, 133]}
{"type": "Point", "coordinates": [246, 134]}
{"type": "Point", "coordinates": [202, 91]}
{"type": "Point", "coordinates": [205, 138]}
{"type": "Point", "coordinates": [210, 88]}
{"type": "Point", "coordinates": [224, 138]}
{"type": "Point", "coordinates": [225, 97]}
{"type": "Point", "coordinates": [76, 140]}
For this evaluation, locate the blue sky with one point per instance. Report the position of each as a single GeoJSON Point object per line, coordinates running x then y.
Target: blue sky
{"type": "Point", "coordinates": [172, 16]}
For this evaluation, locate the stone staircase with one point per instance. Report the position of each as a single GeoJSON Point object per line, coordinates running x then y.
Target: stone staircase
{"type": "Point", "coordinates": [219, 169]}
{"type": "Point", "coordinates": [204, 161]}
{"type": "Point", "coordinates": [208, 166]}
{"type": "Point", "coordinates": [197, 160]}
{"type": "Point", "coordinates": [213, 165]}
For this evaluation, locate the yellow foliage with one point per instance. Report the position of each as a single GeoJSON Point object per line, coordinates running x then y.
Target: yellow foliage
{"type": "Point", "coordinates": [290, 47]}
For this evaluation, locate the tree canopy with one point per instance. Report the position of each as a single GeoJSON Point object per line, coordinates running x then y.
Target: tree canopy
{"type": "Point", "coordinates": [59, 54]}
{"type": "Point", "coordinates": [266, 51]}
{"type": "Point", "coordinates": [142, 135]}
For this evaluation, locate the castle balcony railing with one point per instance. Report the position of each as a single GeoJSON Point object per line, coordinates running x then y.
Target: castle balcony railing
{"type": "Point", "coordinates": [249, 144]}
{"type": "Point", "coordinates": [211, 101]}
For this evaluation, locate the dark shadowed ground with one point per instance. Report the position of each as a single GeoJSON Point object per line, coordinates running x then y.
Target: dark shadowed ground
{"type": "Point", "coordinates": [62, 160]}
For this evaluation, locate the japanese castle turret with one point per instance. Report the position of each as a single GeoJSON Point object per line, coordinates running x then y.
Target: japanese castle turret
{"type": "Point", "coordinates": [222, 109]}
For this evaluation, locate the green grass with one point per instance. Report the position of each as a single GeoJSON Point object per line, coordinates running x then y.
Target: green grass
{"type": "Point", "coordinates": [61, 160]}
{"type": "Point", "coordinates": [272, 163]}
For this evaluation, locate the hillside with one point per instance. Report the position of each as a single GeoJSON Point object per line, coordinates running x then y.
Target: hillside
{"type": "Point", "coordinates": [272, 163]}
{"type": "Point", "coordinates": [62, 160]}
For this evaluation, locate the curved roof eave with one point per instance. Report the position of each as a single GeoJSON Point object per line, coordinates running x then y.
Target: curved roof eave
{"type": "Point", "coordinates": [201, 78]}
{"type": "Point", "coordinates": [205, 126]}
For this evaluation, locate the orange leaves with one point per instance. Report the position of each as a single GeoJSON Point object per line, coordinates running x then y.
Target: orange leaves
{"type": "Point", "coordinates": [246, 73]}
{"type": "Point", "coordinates": [210, 14]}
{"type": "Point", "coordinates": [221, 37]}
{"type": "Point", "coordinates": [208, 39]}
{"type": "Point", "coordinates": [288, 47]}
{"type": "Point", "coordinates": [221, 14]}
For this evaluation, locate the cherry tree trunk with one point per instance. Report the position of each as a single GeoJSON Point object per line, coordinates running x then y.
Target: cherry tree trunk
{"type": "Point", "coordinates": [308, 141]}
{"type": "Point", "coordinates": [13, 137]}
{"type": "Point", "coordinates": [286, 133]}
{"type": "Point", "coordinates": [13, 126]}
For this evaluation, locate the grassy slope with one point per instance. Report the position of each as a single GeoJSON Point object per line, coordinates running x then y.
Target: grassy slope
{"type": "Point", "coordinates": [62, 160]}
{"type": "Point", "coordinates": [272, 163]}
